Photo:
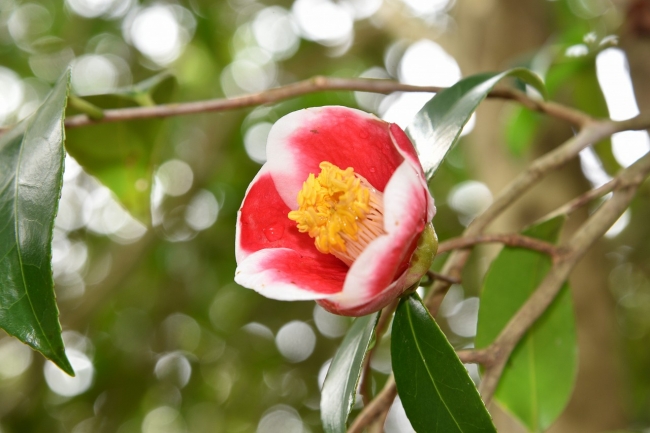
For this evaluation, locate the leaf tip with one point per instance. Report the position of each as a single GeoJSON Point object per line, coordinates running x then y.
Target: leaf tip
{"type": "Point", "coordinates": [64, 364]}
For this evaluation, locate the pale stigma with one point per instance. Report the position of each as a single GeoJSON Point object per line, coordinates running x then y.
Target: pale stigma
{"type": "Point", "coordinates": [341, 210]}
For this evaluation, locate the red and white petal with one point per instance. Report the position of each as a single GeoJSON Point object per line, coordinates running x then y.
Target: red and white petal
{"type": "Point", "coordinates": [395, 289]}
{"type": "Point", "coordinates": [370, 280]}
{"type": "Point", "coordinates": [273, 257]}
{"type": "Point", "coordinates": [263, 222]}
{"type": "Point", "coordinates": [283, 274]}
{"type": "Point", "coordinates": [405, 147]}
{"type": "Point", "coordinates": [301, 140]}
{"type": "Point", "coordinates": [405, 202]}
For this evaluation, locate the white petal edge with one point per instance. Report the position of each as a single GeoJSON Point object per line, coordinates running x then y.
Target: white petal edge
{"type": "Point", "coordinates": [415, 163]}
{"type": "Point", "coordinates": [404, 197]}
{"type": "Point", "coordinates": [253, 275]}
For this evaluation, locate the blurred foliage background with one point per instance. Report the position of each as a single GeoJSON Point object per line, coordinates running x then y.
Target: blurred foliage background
{"type": "Point", "coordinates": [161, 337]}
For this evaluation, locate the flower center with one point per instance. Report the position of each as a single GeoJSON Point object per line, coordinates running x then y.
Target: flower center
{"type": "Point", "coordinates": [341, 210]}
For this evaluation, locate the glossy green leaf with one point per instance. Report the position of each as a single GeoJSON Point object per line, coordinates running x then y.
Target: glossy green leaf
{"type": "Point", "coordinates": [120, 155]}
{"type": "Point", "coordinates": [340, 386]}
{"type": "Point", "coordinates": [539, 378]}
{"type": "Point", "coordinates": [436, 391]}
{"type": "Point", "coordinates": [437, 126]}
{"type": "Point", "coordinates": [31, 176]}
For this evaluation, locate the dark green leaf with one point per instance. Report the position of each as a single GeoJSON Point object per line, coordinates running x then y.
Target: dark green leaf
{"type": "Point", "coordinates": [121, 154]}
{"type": "Point", "coordinates": [436, 391]}
{"type": "Point", "coordinates": [538, 380]}
{"type": "Point", "coordinates": [31, 175]}
{"type": "Point", "coordinates": [437, 126]}
{"type": "Point", "coordinates": [340, 386]}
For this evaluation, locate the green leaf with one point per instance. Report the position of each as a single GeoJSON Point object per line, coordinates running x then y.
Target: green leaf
{"type": "Point", "coordinates": [538, 380]}
{"type": "Point", "coordinates": [521, 129]}
{"type": "Point", "coordinates": [120, 155]}
{"type": "Point", "coordinates": [340, 386]}
{"type": "Point", "coordinates": [142, 92]}
{"type": "Point", "coordinates": [31, 175]}
{"type": "Point", "coordinates": [437, 126]}
{"type": "Point", "coordinates": [436, 391]}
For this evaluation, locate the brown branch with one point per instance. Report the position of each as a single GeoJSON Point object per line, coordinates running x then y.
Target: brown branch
{"type": "Point", "coordinates": [551, 108]}
{"type": "Point", "coordinates": [574, 249]}
{"type": "Point", "coordinates": [433, 276]}
{"type": "Point", "coordinates": [582, 200]}
{"type": "Point", "coordinates": [591, 132]}
{"type": "Point", "coordinates": [510, 239]}
{"type": "Point", "coordinates": [312, 85]}
{"type": "Point", "coordinates": [376, 408]}
{"type": "Point", "coordinates": [476, 356]}
{"type": "Point", "coordinates": [378, 424]}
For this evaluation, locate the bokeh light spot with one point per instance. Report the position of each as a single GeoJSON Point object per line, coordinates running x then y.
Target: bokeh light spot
{"type": "Point", "coordinates": [93, 74]}
{"type": "Point", "coordinates": [255, 141]}
{"type": "Point", "coordinates": [424, 63]}
{"type": "Point", "coordinates": [323, 21]}
{"type": "Point", "coordinates": [16, 358]}
{"type": "Point", "coordinates": [280, 418]}
{"type": "Point", "coordinates": [28, 21]}
{"type": "Point", "coordinates": [463, 319]}
{"type": "Point", "coordinates": [11, 90]}
{"type": "Point", "coordinates": [396, 420]}
{"type": "Point", "coordinates": [202, 211]}
{"type": "Point", "coordinates": [328, 324]}
{"type": "Point", "coordinates": [175, 177]}
{"type": "Point", "coordinates": [64, 385]}
{"type": "Point", "coordinates": [296, 341]}
{"type": "Point", "coordinates": [182, 332]}
{"type": "Point", "coordinates": [160, 32]}
{"type": "Point", "coordinates": [96, 8]}
{"type": "Point", "coordinates": [469, 199]}
{"type": "Point", "coordinates": [175, 368]}
{"type": "Point", "coordinates": [614, 78]}
{"type": "Point", "coordinates": [276, 32]}
{"type": "Point", "coordinates": [163, 419]}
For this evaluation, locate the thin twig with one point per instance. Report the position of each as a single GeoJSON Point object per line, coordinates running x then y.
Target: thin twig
{"type": "Point", "coordinates": [376, 407]}
{"type": "Point", "coordinates": [510, 239]}
{"type": "Point", "coordinates": [312, 85]}
{"type": "Point", "coordinates": [476, 356]}
{"type": "Point", "coordinates": [553, 109]}
{"type": "Point", "coordinates": [574, 249]}
{"type": "Point", "coordinates": [433, 276]}
{"type": "Point", "coordinates": [582, 200]}
{"type": "Point", "coordinates": [378, 424]}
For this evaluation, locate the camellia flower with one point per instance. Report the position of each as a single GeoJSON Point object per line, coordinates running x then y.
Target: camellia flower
{"type": "Point", "coordinates": [340, 213]}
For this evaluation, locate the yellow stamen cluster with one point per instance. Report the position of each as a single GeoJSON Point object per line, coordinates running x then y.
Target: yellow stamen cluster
{"type": "Point", "coordinates": [340, 210]}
